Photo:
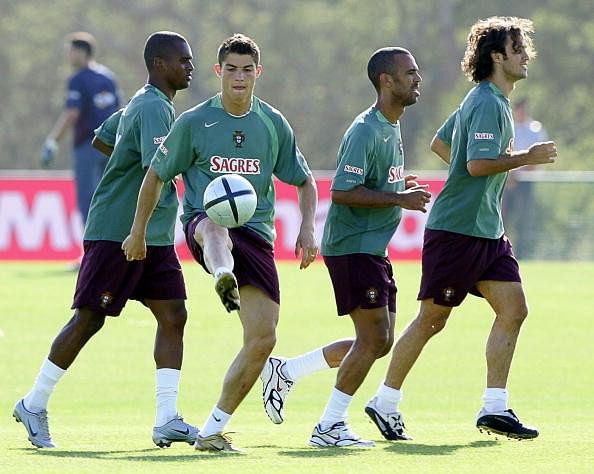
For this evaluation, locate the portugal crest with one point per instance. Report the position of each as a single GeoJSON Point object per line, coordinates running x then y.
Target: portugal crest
{"type": "Point", "coordinates": [238, 138]}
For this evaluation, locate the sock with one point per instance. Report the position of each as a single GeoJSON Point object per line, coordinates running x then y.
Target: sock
{"type": "Point", "coordinates": [305, 364]}
{"type": "Point", "coordinates": [336, 409]}
{"type": "Point", "coordinates": [495, 400]}
{"type": "Point", "coordinates": [49, 374]}
{"type": "Point", "coordinates": [167, 386]}
{"type": "Point", "coordinates": [220, 270]}
{"type": "Point", "coordinates": [216, 422]}
{"type": "Point", "coordinates": [388, 399]}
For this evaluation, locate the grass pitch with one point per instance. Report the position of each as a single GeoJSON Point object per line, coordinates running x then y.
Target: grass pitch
{"type": "Point", "coordinates": [102, 412]}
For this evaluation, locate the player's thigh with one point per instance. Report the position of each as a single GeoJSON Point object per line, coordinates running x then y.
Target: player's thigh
{"type": "Point", "coordinates": [507, 298]}
{"type": "Point", "coordinates": [206, 229]}
{"type": "Point", "coordinates": [258, 314]}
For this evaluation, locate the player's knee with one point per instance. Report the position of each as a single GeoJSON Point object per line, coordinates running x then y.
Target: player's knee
{"type": "Point", "coordinates": [387, 346]}
{"type": "Point", "coordinates": [430, 325]}
{"type": "Point", "coordinates": [260, 346]}
{"type": "Point", "coordinates": [87, 322]}
{"type": "Point", "coordinates": [174, 320]}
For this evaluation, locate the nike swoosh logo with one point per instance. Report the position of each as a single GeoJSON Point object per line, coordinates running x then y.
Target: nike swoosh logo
{"type": "Point", "coordinates": [385, 139]}
{"type": "Point", "coordinates": [208, 125]}
{"type": "Point", "coordinates": [187, 431]}
{"type": "Point", "coordinates": [216, 419]}
{"type": "Point", "coordinates": [33, 433]}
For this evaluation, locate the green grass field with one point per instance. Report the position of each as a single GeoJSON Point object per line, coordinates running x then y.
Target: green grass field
{"type": "Point", "coordinates": [102, 412]}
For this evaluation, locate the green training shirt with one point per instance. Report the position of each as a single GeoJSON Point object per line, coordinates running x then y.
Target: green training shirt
{"type": "Point", "coordinates": [370, 155]}
{"type": "Point", "coordinates": [142, 127]}
{"type": "Point", "coordinates": [108, 130]}
{"type": "Point", "coordinates": [206, 142]}
{"type": "Point", "coordinates": [481, 128]}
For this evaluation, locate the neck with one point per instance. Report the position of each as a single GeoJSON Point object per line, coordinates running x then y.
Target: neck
{"type": "Point", "coordinates": [503, 83]}
{"type": "Point", "coordinates": [390, 110]}
{"type": "Point", "coordinates": [237, 106]}
{"type": "Point", "coordinates": [162, 86]}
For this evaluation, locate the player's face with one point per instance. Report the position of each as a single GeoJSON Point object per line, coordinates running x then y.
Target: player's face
{"type": "Point", "coordinates": [406, 80]}
{"type": "Point", "coordinates": [515, 64]}
{"type": "Point", "coordinates": [179, 66]}
{"type": "Point", "coordinates": [238, 75]}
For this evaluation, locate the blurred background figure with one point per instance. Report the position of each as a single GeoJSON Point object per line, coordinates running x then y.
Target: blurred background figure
{"type": "Point", "coordinates": [518, 200]}
{"type": "Point", "coordinates": [92, 95]}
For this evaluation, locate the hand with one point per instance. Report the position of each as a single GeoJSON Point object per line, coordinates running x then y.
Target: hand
{"type": "Point", "coordinates": [541, 153]}
{"type": "Point", "coordinates": [415, 198]}
{"type": "Point", "coordinates": [134, 247]}
{"type": "Point", "coordinates": [306, 246]}
{"type": "Point", "coordinates": [48, 152]}
{"type": "Point", "coordinates": [410, 181]}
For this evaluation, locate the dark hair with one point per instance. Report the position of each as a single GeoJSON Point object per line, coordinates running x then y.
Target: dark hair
{"type": "Point", "coordinates": [160, 45]}
{"type": "Point", "coordinates": [382, 61]}
{"type": "Point", "coordinates": [487, 36]}
{"type": "Point", "coordinates": [239, 44]}
{"type": "Point", "coordinates": [82, 40]}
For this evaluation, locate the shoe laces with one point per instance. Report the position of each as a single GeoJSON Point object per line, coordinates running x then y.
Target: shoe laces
{"type": "Point", "coordinates": [43, 424]}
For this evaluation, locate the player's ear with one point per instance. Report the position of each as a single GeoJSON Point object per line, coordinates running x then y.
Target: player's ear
{"type": "Point", "coordinates": [158, 63]}
{"type": "Point", "coordinates": [386, 79]}
{"type": "Point", "coordinates": [217, 69]}
{"type": "Point", "coordinates": [259, 69]}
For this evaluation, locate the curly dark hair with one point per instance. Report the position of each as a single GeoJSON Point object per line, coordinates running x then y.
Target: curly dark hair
{"type": "Point", "coordinates": [239, 44]}
{"type": "Point", "coordinates": [489, 35]}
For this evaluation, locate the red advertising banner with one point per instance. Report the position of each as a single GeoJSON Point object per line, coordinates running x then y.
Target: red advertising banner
{"type": "Point", "coordinates": [39, 221]}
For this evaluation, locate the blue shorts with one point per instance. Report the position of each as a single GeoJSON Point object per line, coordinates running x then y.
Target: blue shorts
{"type": "Point", "coordinates": [362, 281]}
{"type": "Point", "coordinates": [454, 263]}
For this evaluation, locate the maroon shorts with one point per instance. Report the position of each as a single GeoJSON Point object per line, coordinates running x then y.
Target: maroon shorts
{"type": "Point", "coordinates": [253, 257]}
{"type": "Point", "coordinates": [454, 263]}
{"type": "Point", "coordinates": [362, 281]}
{"type": "Point", "coordinates": [106, 280]}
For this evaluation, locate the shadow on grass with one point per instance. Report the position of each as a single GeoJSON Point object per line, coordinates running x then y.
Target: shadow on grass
{"type": "Point", "coordinates": [398, 447]}
{"type": "Point", "coordinates": [147, 454]}
{"type": "Point", "coordinates": [432, 449]}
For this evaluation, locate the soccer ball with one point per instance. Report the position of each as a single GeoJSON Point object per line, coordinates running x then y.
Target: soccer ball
{"type": "Point", "coordinates": [230, 200]}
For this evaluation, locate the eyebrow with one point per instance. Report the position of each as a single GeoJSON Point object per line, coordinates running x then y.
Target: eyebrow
{"type": "Point", "coordinates": [239, 67]}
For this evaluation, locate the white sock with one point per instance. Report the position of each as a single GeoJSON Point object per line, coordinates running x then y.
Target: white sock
{"type": "Point", "coordinates": [49, 374]}
{"type": "Point", "coordinates": [495, 400]}
{"type": "Point", "coordinates": [336, 409]}
{"type": "Point", "coordinates": [167, 386]}
{"type": "Point", "coordinates": [305, 364]}
{"type": "Point", "coordinates": [388, 398]}
{"type": "Point", "coordinates": [215, 423]}
{"type": "Point", "coordinates": [220, 270]}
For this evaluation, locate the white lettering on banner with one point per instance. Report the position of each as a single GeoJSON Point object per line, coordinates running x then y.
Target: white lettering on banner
{"type": "Point", "coordinates": [47, 216]}
{"type": "Point", "coordinates": [409, 234]}
{"type": "Point", "coordinates": [287, 214]}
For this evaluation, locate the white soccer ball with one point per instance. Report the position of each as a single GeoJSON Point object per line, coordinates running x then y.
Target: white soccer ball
{"type": "Point", "coordinates": [230, 200]}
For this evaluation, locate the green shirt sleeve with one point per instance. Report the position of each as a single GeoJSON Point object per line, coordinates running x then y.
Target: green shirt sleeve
{"type": "Point", "coordinates": [176, 154]}
{"type": "Point", "coordinates": [155, 122]}
{"type": "Point", "coordinates": [107, 131]}
{"type": "Point", "coordinates": [446, 131]}
{"type": "Point", "coordinates": [484, 131]}
{"type": "Point", "coordinates": [290, 166]}
{"type": "Point", "coordinates": [352, 158]}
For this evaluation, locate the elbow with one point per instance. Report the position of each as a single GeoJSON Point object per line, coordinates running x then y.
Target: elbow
{"type": "Point", "coordinates": [474, 169]}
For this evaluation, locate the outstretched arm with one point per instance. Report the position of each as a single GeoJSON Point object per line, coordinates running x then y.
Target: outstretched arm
{"type": "Point", "coordinates": [134, 246]}
{"type": "Point", "coordinates": [306, 242]}
{"type": "Point", "coordinates": [441, 149]}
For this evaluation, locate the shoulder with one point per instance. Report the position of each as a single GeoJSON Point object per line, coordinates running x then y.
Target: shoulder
{"type": "Point", "coordinates": [102, 70]}
{"type": "Point", "coordinates": [272, 113]}
{"type": "Point", "coordinates": [364, 125]}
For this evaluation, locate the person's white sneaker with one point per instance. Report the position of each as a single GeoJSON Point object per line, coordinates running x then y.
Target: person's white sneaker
{"type": "Point", "coordinates": [36, 425]}
{"type": "Point", "coordinates": [275, 388]}
{"type": "Point", "coordinates": [338, 435]}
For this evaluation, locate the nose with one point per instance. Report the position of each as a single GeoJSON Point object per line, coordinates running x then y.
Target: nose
{"type": "Point", "coordinates": [190, 66]}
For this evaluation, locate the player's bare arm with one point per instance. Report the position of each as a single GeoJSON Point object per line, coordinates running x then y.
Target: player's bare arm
{"type": "Point", "coordinates": [441, 149]}
{"type": "Point", "coordinates": [538, 154]}
{"type": "Point", "coordinates": [414, 198]}
{"type": "Point", "coordinates": [102, 146]}
{"type": "Point", "coordinates": [306, 244]}
{"type": "Point", "coordinates": [134, 246]}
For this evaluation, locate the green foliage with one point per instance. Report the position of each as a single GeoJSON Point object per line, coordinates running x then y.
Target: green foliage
{"type": "Point", "coordinates": [315, 54]}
